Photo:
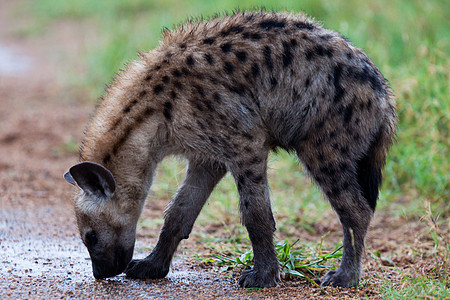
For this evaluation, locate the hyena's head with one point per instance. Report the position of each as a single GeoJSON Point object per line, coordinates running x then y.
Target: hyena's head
{"type": "Point", "coordinates": [107, 230]}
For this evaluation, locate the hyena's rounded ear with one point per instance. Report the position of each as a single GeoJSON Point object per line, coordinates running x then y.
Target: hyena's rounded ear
{"type": "Point", "coordinates": [92, 178]}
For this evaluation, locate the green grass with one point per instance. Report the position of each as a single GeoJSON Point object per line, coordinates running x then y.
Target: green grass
{"type": "Point", "coordinates": [302, 262]}
{"type": "Point", "coordinates": [409, 40]}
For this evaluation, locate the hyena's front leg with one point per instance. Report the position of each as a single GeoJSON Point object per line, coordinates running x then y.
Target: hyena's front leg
{"type": "Point", "coordinates": [180, 216]}
{"type": "Point", "coordinates": [256, 214]}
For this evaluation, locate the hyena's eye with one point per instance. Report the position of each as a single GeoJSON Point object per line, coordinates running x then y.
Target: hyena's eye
{"type": "Point", "coordinates": [91, 238]}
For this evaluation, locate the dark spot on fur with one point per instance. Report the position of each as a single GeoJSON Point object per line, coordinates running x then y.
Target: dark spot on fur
{"type": "Point", "coordinates": [209, 106]}
{"type": "Point", "coordinates": [273, 82]}
{"type": "Point", "coordinates": [148, 111]}
{"type": "Point", "coordinates": [367, 75]}
{"type": "Point", "coordinates": [328, 52]}
{"type": "Point", "coordinates": [257, 179]}
{"type": "Point", "coordinates": [148, 77]}
{"type": "Point", "coordinates": [328, 170]}
{"type": "Point", "coordinates": [241, 56]}
{"type": "Point", "coordinates": [349, 55]}
{"type": "Point", "coordinates": [176, 73]}
{"type": "Point", "coordinates": [338, 90]}
{"type": "Point", "coordinates": [183, 46]}
{"type": "Point", "coordinates": [173, 95]}
{"type": "Point", "coordinates": [348, 112]}
{"type": "Point", "coordinates": [248, 173]}
{"type": "Point", "coordinates": [294, 42]}
{"type": "Point", "coordinates": [343, 167]}
{"type": "Point", "coordinates": [107, 159]}
{"type": "Point", "coordinates": [309, 54]}
{"type": "Point", "coordinates": [217, 98]}
{"type": "Point", "coordinates": [177, 84]}
{"type": "Point", "coordinates": [248, 149]}
{"type": "Point", "coordinates": [320, 156]}
{"type": "Point", "coordinates": [199, 106]}
{"type": "Point", "coordinates": [267, 53]}
{"type": "Point", "coordinates": [209, 41]}
{"type": "Point", "coordinates": [165, 79]}
{"type": "Point", "coordinates": [307, 82]}
{"type": "Point", "coordinates": [228, 67]}
{"type": "Point", "coordinates": [271, 24]}
{"type": "Point", "coordinates": [199, 90]}
{"type": "Point", "coordinates": [240, 182]}
{"type": "Point", "coordinates": [190, 60]}
{"type": "Point", "coordinates": [237, 88]}
{"type": "Point", "coordinates": [247, 136]}
{"type": "Point", "coordinates": [201, 125]}
{"type": "Point", "coordinates": [369, 104]}
{"type": "Point", "coordinates": [141, 94]}
{"type": "Point", "coordinates": [287, 54]}
{"type": "Point", "coordinates": [158, 89]}
{"type": "Point", "coordinates": [320, 124]}
{"type": "Point", "coordinates": [255, 70]}
{"type": "Point", "coordinates": [226, 47]}
{"type": "Point", "coordinates": [344, 150]}
{"type": "Point", "coordinates": [185, 71]}
{"type": "Point", "coordinates": [214, 80]}
{"type": "Point", "coordinates": [255, 36]}
{"type": "Point", "coordinates": [304, 25]}
{"type": "Point", "coordinates": [209, 58]}
{"type": "Point", "coordinates": [334, 192]}
{"type": "Point", "coordinates": [213, 140]}
{"type": "Point", "coordinates": [255, 160]}
{"type": "Point", "coordinates": [345, 185]}
{"type": "Point", "coordinates": [167, 110]}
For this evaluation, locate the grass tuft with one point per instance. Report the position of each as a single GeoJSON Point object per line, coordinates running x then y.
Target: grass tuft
{"type": "Point", "coordinates": [303, 263]}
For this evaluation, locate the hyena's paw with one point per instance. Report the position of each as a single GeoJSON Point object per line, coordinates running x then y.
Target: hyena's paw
{"type": "Point", "coordinates": [259, 278]}
{"type": "Point", "coordinates": [340, 278]}
{"type": "Point", "coordinates": [145, 269]}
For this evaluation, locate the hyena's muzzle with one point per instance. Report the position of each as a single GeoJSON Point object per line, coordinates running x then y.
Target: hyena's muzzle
{"type": "Point", "coordinates": [110, 263]}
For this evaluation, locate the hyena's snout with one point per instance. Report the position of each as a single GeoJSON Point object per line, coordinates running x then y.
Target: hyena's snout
{"type": "Point", "coordinates": [114, 263]}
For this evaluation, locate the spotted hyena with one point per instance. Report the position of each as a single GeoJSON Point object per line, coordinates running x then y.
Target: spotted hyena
{"type": "Point", "coordinates": [223, 93]}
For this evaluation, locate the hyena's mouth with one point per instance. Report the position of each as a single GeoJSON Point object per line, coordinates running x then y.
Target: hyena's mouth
{"type": "Point", "coordinates": [104, 268]}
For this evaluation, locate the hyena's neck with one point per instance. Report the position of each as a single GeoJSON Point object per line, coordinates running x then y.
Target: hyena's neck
{"type": "Point", "coordinates": [127, 134]}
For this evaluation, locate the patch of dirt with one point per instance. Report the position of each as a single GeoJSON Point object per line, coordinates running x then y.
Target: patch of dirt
{"type": "Point", "coordinates": [41, 254]}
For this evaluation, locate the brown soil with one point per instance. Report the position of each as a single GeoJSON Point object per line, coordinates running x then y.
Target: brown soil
{"type": "Point", "coordinates": [41, 255]}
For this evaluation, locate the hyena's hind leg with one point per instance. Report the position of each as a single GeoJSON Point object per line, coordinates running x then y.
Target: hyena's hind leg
{"type": "Point", "coordinates": [347, 182]}
{"type": "Point", "coordinates": [180, 216]}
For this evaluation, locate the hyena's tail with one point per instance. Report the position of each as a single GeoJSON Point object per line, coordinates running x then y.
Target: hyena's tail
{"type": "Point", "coordinates": [370, 165]}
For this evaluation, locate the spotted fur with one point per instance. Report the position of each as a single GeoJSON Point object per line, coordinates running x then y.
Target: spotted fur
{"type": "Point", "coordinates": [223, 93]}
